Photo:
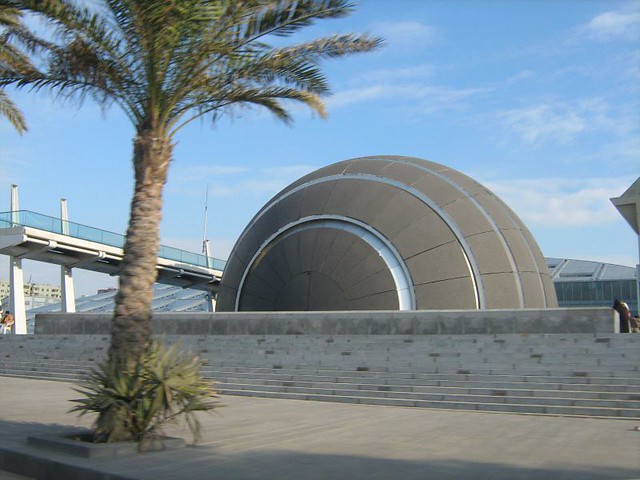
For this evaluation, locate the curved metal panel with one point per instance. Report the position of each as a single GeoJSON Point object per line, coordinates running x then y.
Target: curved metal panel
{"type": "Point", "coordinates": [467, 251]}
{"type": "Point", "coordinates": [387, 195]}
{"type": "Point", "coordinates": [391, 257]}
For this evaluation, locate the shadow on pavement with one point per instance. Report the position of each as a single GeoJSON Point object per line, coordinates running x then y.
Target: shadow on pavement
{"type": "Point", "coordinates": [206, 462]}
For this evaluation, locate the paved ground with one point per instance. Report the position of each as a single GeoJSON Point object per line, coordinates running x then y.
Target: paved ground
{"type": "Point", "coordinates": [263, 439]}
{"type": "Point", "coordinates": [11, 476]}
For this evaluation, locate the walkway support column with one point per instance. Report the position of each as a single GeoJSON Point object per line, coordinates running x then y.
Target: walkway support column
{"type": "Point", "coordinates": [68, 290]}
{"type": "Point", "coordinates": [16, 277]}
{"type": "Point", "coordinates": [66, 274]}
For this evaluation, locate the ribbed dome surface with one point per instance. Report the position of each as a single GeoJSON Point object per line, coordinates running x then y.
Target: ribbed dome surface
{"type": "Point", "coordinates": [385, 233]}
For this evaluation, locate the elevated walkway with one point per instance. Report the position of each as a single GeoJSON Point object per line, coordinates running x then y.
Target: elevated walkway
{"type": "Point", "coordinates": [29, 235]}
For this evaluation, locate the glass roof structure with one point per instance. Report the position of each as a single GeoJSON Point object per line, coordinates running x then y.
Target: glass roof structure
{"type": "Point", "coordinates": [582, 283]}
{"type": "Point", "coordinates": [167, 298]}
{"type": "Point", "coordinates": [570, 270]}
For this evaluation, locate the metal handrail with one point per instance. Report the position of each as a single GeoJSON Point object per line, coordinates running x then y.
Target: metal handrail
{"type": "Point", "coordinates": [27, 218]}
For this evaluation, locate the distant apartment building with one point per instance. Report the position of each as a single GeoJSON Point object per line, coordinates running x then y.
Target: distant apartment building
{"type": "Point", "coordinates": [102, 291]}
{"type": "Point", "coordinates": [35, 294]}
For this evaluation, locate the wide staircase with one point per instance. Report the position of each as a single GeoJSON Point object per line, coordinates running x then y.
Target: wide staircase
{"type": "Point", "coordinates": [554, 374]}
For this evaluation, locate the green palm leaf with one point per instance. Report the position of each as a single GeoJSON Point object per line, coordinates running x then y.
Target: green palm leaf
{"type": "Point", "coordinates": [165, 64]}
{"type": "Point", "coordinates": [135, 403]}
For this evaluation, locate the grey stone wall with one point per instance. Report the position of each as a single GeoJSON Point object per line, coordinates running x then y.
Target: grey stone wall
{"type": "Point", "coordinates": [427, 322]}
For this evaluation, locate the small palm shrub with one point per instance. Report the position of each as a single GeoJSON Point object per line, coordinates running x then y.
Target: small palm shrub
{"type": "Point", "coordinates": [134, 403]}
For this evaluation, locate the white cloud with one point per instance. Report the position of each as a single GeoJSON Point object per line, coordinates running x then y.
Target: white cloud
{"type": "Point", "coordinates": [544, 121]}
{"type": "Point", "coordinates": [612, 25]}
{"type": "Point", "coordinates": [409, 35]}
{"type": "Point", "coordinates": [183, 178]}
{"type": "Point", "coordinates": [622, 67]}
{"type": "Point", "coordinates": [562, 122]}
{"type": "Point", "coordinates": [562, 202]}
{"type": "Point", "coordinates": [518, 77]}
{"type": "Point", "coordinates": [207, 170]}
{"type": "Point", "coordinates": [272, 180]}
{"type": "Point", "coordinates": [431, 98]}
{"type": "Point", "coordinates": [359, 95]}
{"type": "Point", "coordinates": [626, 148]}
{"type": "Point", "coordinates": [390, 75]}
{"type": "Point", "coordinates": [232, 181]}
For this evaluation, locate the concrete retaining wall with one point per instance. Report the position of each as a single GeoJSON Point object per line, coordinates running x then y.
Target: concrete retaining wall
{"type": "Point", "coordinates": [425, 322]}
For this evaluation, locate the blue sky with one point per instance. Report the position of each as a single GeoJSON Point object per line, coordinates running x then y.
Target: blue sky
{"type": "Point", "coordinates": [537, 100]}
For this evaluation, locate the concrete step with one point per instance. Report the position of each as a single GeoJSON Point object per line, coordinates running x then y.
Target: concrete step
{"type": "Point", "coordinates": [301, 347]}
{"type": "Point", "coordinates": [533, 408]}
{"type": "Point", "coordinates": [413, 377]}
{"type": "Point", "coordinates": [309, 374]}
{"type": "Point", "coordinates": [345, 390]}
{"type": "Point", "coordinates": [425, 365]}
{"type": "Point", "coordinates": [583, 375]}
{"type": "Point", "coordinates": [55, 376]}
{"type": "Point", "coordinates": [600, 376]}
{"type": "Point", "coordinates": [616, 357]}
{"type": "Point", "coordinates": [398, 378]}
{"type": "Point", "coordinates": [45, 363]}
{"type": "Point", "coordinates": [616, 392]}
{"type": "Point", "coordinates": [461, 342]}
{"type": "Point", "coordinates": [445, 389]}
{"type": "Point", "coordinates": [469, 368]}
{"type": "Point", "coordinates": [619, 406]}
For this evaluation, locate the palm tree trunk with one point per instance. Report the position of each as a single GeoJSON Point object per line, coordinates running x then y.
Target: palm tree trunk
{"type": "Point", "coordinates": [131, 326]}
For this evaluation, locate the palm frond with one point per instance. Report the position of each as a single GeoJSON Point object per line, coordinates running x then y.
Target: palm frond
{"type": "Point", "coordinates": [284, 18]}
{"type": "Point", "coordinates": [11, 112]}
{"type": "Point", "coordinates": [12, 58]}
{"type": "Point", "coordinates": [333, 46]}
{"type": "Point", "coordinates": [165, 63]}
{"type": "Point", "coordinates": [88, 52]}
{"type": "Point", "coordinates": [268, 97]}
{"type": "Point", "coordinates": [159, 60]}
{"type": "Point", "coordinates": [226, 55]}
{"type": "Point", "coordinates": [166, 384]}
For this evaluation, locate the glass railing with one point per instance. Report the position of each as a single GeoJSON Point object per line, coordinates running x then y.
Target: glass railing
{"type": "Point", "coordinates": [27, 218]}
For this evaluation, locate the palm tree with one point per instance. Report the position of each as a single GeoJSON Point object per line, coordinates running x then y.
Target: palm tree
{"type": "Point", "coordinates": [167, 63]}
{"type": "Point", "coordinates": [13, 36]}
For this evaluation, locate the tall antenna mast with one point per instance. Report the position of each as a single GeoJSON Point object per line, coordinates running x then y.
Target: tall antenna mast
{"type": "Point", "coordinates": [206, 250]}
{"type": "Point", "coordinates": [205, 243]}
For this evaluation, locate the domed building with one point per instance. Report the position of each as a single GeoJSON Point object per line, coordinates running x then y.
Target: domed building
{"type": "Point", "coordinates": [385, 233]}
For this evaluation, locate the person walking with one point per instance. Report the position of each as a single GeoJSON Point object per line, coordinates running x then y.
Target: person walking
{"type": "Point", "coordinates": [624, 314]}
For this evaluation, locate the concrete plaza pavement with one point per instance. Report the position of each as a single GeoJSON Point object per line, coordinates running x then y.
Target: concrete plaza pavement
{"type": "Point", "coordinates": [264, 439]}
